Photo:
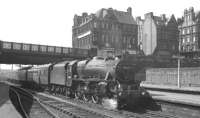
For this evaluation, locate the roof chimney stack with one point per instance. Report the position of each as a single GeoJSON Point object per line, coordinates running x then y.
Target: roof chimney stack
{"type": "Point", "coordinates": [129, 10]}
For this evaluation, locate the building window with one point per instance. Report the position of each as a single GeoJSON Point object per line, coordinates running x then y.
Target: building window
{"type": "Point", "coordinates": [107, 26]}
{"type": "Point", "coordinates": [194, 29]}
{"type": "Point", "coordinates": [102, 25]}
{"type": "Point", "coordinates": [173, 47]}
{"type": "Point", "coordinates": [84, 42]}
{"type": "Point", "coordinates": [182, 48]}
{"type": "Point", "coordinates": [188, 39]}
{"type": "Point", "coordinates": [183, 31]}
{"type": "Point", "coordinates": [194, 48]}
{"type": "Point", "coordinates": [183, 40]}
{"type": "Point", "coordinates": [124, 40]}
{"type": "Point", "coordinates": [103, 38]}
{"type": "Point", "coordinates": [107, 39]}
{"type": "Point", "coordinates": [188, 30]}
{"type": "Point", "coordinates": [95, 25]}
{"type": "Point", "coordinates": [133, 40]}
{"type": "Point", "coordinates": [129, 42]}
{"type": "Point", "coordinates": [116, 26]}
{"type": "Point", "coordinates": [194, 39]}
{"type": "Point", "coordinates": [80, 43]}
{"type": "Point", "coordinates": [113, 27]}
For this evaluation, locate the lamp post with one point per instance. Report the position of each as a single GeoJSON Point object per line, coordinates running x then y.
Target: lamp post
{"type": "Point", "coordinates": [178, 82]}
{"type": "Point", "coordinates": [178, 57]}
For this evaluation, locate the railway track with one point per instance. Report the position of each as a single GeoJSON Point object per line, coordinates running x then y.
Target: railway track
{"type": "Point", "coordinates": [64, 107]}
{"type": "Point", "coordinates": [106, 112]}
{"type": "Point", "coordinates": [58, 108]}
{"type": "Point", "coordinates": [18, 103]}
{"type": "Point", "coordinates": [27, 105]}
{"type": "Point", "coordinates": [75, 108]}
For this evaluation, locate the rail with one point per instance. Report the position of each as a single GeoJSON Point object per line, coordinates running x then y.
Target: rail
{"type": "Point", "coordinates": [20, 106]}
{"type": "Point", "coordinates": [107, 113]}
{"type": "Point", "coordinates": [19, 92]}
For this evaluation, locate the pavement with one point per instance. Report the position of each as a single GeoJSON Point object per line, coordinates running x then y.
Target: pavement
{"type": "Point", "coordinates": [7, 110]}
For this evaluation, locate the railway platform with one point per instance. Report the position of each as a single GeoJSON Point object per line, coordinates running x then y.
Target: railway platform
{"type": "Point", "coordinates": [183, 95]}
{"type": "Point", "coordinates": [7, 109]}
{"type": "Point", "coordinates": [180, 98]}
{"type": "Point", "coordinates": [171, 88]}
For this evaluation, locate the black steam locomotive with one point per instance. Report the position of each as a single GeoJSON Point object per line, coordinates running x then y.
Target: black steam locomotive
{"type": "Point", "coordinates": [93, 79]}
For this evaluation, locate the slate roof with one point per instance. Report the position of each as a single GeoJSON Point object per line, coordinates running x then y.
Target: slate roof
{"type": "Point", "coordinates": [197, 16]}
{"type": "Point", "coordinates": [158, 20]}
{"type": "Point", "coordinates": [98, 13]}
{"type": "Point", "coordinates": [124, 17]}
{"type": "Point", "coordinates": [121, 16]}
{"type": "Point", "coordinates": [172, 19]}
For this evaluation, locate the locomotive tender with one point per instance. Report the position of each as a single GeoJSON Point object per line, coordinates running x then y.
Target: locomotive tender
{"type": "Point", "coordinates": [93, 79]}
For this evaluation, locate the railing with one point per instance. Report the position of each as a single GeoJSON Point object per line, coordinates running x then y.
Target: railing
{"type": "Point", "coordinates": [44, 49]}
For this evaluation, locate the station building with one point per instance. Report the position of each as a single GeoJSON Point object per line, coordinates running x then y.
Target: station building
{"type": "Point", "coordinates": [189, 35]}
{"type": "Point", "coordinates": [158, 35]}
{"type": "Point", "coordinates": [110, 31]}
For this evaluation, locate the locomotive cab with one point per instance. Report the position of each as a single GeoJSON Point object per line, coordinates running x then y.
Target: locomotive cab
{"type": "Point", "coordinates": [72, 69]}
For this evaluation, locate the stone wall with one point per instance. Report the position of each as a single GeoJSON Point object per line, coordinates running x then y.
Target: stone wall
{"type": "Point", "coordinates": [169, 76]}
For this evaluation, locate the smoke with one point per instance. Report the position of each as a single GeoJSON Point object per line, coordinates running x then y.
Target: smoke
{"type": "Point", "coordinates": [109, 103]}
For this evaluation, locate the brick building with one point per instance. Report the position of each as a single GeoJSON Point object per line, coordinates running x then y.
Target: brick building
{"type": "Point", "coordinates": [108, 30]}
{"type": "Point", "coordinates": [159, 35]}
{"type": "Point", "coordinates": [189, 33]}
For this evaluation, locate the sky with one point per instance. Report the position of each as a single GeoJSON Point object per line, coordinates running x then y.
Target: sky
{"type": "Point", "coordinates": [49, 22]}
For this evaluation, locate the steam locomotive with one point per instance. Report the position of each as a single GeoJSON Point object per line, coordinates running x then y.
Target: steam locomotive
{"type": "Point", "coordinates": [93, 79]}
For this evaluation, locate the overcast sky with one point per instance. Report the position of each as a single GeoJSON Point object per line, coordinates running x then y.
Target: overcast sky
{"type": "Point", "coordinates": [50, 21]}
